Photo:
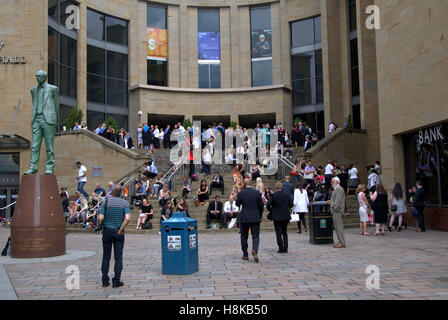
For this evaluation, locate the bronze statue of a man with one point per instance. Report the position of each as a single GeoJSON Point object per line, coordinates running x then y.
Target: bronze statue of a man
{"type": "Point", "coordinates": [43, 122]}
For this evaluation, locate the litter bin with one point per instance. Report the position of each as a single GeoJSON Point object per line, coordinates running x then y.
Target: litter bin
{"type": "Point", "coordinates": [321, 223]}
{"type": "Point", "coordinates": [180, 245]}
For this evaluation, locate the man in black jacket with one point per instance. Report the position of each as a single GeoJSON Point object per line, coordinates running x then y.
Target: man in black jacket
{"type": "Point", "coordinates": [214, 211]}
{"type": "Point", "coordinates": [217, 182]}
{"type": "Point", "coordinates": [278, 205]}
{"type": "Point", "coordinates": [419, 205]}
{"type": "Point", "coordinates": [251, 213]}
{"type": "Point", "coordinates": [288, 187]}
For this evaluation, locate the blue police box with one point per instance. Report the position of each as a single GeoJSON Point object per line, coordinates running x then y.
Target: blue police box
{"type": "Point", "coordinates": [180, 245]}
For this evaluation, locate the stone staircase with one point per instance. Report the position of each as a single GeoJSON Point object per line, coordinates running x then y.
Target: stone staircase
{"type": "Point", "coordinates": [199, 212]}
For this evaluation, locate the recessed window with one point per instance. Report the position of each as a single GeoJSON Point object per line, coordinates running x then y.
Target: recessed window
{"type": "Point", "coordinates": [209, 49]}
{"type": "Point", "coordinates": [157, 46]}
{"type": "Point", "coordinates": [261, 46]}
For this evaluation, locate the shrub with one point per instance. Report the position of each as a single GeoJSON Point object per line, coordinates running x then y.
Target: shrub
{"type": "Point", "coordinates": [75, 116]}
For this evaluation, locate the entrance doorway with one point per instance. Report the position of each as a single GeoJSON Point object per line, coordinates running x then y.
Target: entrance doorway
{"type": "Point", "coordinates": [162, 120]}
{"type": "Point", "coordinates": [9, 182]}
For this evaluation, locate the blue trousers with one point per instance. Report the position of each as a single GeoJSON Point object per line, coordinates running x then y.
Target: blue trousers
{"type": "Point", "coordinates": [81, 189]}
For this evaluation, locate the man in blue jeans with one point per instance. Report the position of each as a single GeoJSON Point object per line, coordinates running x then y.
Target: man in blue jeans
{"type": "Point", "coordinates": [82, 178]}
{"type": "Point", "coordinates": [116, 215]}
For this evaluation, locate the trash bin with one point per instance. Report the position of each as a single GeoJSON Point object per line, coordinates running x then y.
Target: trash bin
{"type": "Point", "coordinates": [321, 223]}
{"type": "Point", "coordinates": [180, 245]}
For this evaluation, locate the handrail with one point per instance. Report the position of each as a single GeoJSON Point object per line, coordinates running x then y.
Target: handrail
{"type": "Point", "coordinates": [11, 204]}
{"type": "Point", "coordinates": [108, 194]}
{"type": "Point", "coordinates": [283, 160]}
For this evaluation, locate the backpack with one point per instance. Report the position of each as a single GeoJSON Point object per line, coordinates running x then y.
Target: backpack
{"type": "Point", "coordinates": [194, 177]}
{"type": "Point", "coordinates": [73, 220]}
{"type": "Point", "coordinates": [147, 226]}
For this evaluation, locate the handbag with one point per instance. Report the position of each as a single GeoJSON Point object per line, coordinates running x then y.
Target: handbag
{"type": "Point", "coordinates": [294, 173]}
{"type": "Point", "coordinates": [147, 226]}
{"type": "Point", "coordinates": [232, 223]}
{"type": "Point", "coordinates": [414, 212]}
{"type": "Point", "coordinates": [295, 217]}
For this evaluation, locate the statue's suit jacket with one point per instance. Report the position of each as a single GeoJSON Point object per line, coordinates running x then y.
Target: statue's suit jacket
{"type": "Point", "coordinates": [50, 108]}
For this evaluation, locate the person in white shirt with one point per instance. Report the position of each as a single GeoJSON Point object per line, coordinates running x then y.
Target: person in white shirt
{"type": "Point", "coordinates": [331, 127]}
{"type": "Point", "coordinates": [353, 178]}
{"type": "Point", "coordinates": [301, 203]}
{"type": "Point", "coordinates": [156, 134]}
{"type": "Point", "coordinates": [231, 210]}
{"type": "Point", "coordinates": [82, 178]}
{"type": "Point", "coordinates": [373, 180]}
{"type": "Point", "coordinates": [329, 174]}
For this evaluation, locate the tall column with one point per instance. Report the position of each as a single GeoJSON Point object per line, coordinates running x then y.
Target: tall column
{"type": "Point", "coordinates": [285, 45]}
{"type": "Point", "coordinates": [235, 45]}
{"type": "Point", "coordinates": [173, 46]}
{"type": "Point", "coordinates": [226, 51]}
{"type": "Point", "coordinates": [137, 44]}
{"type": "Point", "coordinates": [244, 52]}
{"type": "Point", "coordinates": [276, 44]}
{"type": "Point", "coordinates": [184, 45]}
{"type": "Point", "coordinates": [82, 60]}
{"type": "Point", "coordinates": [331, 51]}
{"type": "Point", "coordinates": [192, 57]}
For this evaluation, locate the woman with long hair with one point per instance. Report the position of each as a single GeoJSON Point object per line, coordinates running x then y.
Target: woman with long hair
{"type": "Point", "coordinates": [380, 208]}
{"type": "Point", "coordinates": [237, 181]}
{"type": "Point", "coordinates": [259, 185]}
{"type": "Point", "coordinates": [398, 206]}
{"type": "Point", "coordinates": [364, 209]}
{"type": "Point", "coordinates": [202, 192]}
{"type": "Point", "coordinates": [183, 206]}
{"type": "Point", "coordinates": [301, 203]}
{"type": "Point", "coordinates": [266, 194]}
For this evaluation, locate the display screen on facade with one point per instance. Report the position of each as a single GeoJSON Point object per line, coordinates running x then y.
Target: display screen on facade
{"type": "Point", "coordinates": [261, 43]}
{"type": "Point", "coordinates": [208, 46]}
{"type": "Point", "coordinates": [157, 43]}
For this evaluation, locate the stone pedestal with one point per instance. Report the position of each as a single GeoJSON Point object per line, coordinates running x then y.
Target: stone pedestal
{"type": "Point", "coordinates": [38, 226]}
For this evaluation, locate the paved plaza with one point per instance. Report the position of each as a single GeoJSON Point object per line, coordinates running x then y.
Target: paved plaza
{"type": "Point", "coordinates": [412, 266]}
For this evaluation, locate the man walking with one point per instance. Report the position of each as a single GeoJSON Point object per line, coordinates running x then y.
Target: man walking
{"type": "Point", "coordinates": [279, 204]}
{"type": "Point", "coordinates": [288, 187]}
{"type": "Point", "coordinates": [82, 178]}
{"type": "Point", "coordinates": [251, 212]}
{"type": "Point", "coordinates": [337, 206]}
{"type": "Point", "coordinates": [419, 205]}
{"type": "Point", "coordinates": [116, 215]}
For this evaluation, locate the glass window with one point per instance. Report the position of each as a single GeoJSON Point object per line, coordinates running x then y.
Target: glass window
{"type": "Point", "coordinates": [317, 30]}
{"type": "Point", "coordinates": [52, 72]}
{"type": "Point", "coordinates": [94, 119]}
{"type": "Point", "coordinates": [355, 67]}
{"type": "Point", "coordinates": [68, 51]}
{"type": "Point", "coordinates": [356, 115]}
{"type": "Point", "coordinates": [262, 73]}
{"type": "Point", "coordinates": [208, 21]}
{"type": "Point", "coordinates": [117, 31]}
{"type": "Point", "coordinates": [209, 75]}
{"type": "Point", "coordinates": [52, 44]}
{"type": "Point", "coordinates": [302, 33]}
{"type": "Point", "coordinates": [67, 83]}
{"type": "Point", "coordinates": [64, 112]}
{"type": "Point", "coordinates": [301, 66]}
{"type": "Point", "coordinates": [426, 160]}
{"type": "Point", "coordinates": [352, 15]}
{"type": "Point", "coordinates": [121, 120]}
{"type": "Point", "coordinates": [95, 60]}
{"type": "Point", "coordinates": [156, 17]}
{"type": "Point", "coordinates": [215, 76]}
{"type": "Point", "coordinates": [117, 92]}
{"type": "Point", "coordinates": [157, 73]}
{"type": "Point", "coordinates": [95, 25]}
{"type": "Point", "coordinates": [261, 33]}
{"type": "Point", "coordinates": [204, 75]}
{"type": "Point", "coordinates": [95, 88]}
{"type": "Point", "coordinates": [53, 10]}
{"type": "Point", "coordinates": [117, 65]}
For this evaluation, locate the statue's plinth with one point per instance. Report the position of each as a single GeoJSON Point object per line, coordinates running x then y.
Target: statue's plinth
{"type": "Point", "coordinates": [38, 226]}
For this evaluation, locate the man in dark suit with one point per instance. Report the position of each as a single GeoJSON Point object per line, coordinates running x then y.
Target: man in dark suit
{"type": "Point", "coordinates": [217, 182]}
{"type": "Point", "coordinates": [288, 187]}
{"type": "Point", "coordinates": [278, 205]}
{"type": "Point", "coordinates": [419, 205]}
{"type": "Point", "coordinates": [214, 211]}
{"type": "Point", "coordinates": [251, 213]}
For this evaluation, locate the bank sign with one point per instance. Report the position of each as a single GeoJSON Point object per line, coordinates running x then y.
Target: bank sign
{"type": "Point", "coordinates": [431, 135]}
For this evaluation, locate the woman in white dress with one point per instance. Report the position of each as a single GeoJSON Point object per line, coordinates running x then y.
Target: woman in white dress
{"type": "Point", "coordinates": [364, 209]}
{"type": "Point", "coordinates": [353, 178]}
{"type": "Point", "coordinates": [301, 203]}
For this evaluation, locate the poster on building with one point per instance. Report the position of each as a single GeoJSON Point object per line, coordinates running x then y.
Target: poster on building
{"type": "Point", "coordinates": [157, 43]}
{"type": "Point", "coordinates": [208, 46]}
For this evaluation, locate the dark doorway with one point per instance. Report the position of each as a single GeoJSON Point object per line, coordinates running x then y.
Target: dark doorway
{"type": "Point", "coordinates": [250, 120]}
{"type": "Point", "coordinates": [209, 120]}
{"type": "Point", "coordinates": [162, 120]}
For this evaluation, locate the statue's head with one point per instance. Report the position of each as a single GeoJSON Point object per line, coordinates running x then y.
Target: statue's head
{"type": "Point", "coordinates": [41, 76]}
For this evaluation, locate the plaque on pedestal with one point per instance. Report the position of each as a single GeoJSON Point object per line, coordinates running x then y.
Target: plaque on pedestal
{"type": "Point", "coordinates": [38, 226]}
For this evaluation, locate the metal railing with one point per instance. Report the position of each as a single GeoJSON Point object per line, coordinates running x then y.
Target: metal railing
{"type": "Point", "coordinates": [109, 193]}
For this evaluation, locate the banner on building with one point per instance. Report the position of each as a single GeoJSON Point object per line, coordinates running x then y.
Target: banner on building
{"type": "Point", "coordinates": [157, 43]}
